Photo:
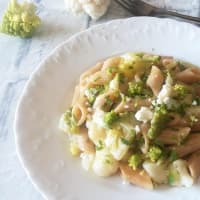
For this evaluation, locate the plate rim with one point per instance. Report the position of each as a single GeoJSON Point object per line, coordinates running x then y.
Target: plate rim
{"type": "Point", "coordinates": [42, 65]}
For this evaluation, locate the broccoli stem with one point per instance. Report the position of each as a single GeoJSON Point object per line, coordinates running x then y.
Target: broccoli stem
{"type": "Point", "coordinates": [159, 121]}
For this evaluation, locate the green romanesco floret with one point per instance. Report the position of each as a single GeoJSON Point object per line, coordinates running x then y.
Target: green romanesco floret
{"type": "Point", "coordinates": [71, 122]}
{"type": "Point", "coordinates": [159, 121]}
{"type": "Point", "coordinates": [138, 89]}
{"type": "Point", "coordinates": [154, 153]}
{"type": "Point", "coordinates": [20, 19]}
{"type": "Point", "coordinates": [93, 92]}
{"type": "Point", "coordinates": [180, 90]}
{"type": "Point", "coordinates": [110, 118]}
{"type": "Point", "coordinates": [135, 161]}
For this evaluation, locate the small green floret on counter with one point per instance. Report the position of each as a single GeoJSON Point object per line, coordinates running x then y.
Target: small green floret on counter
{"type": "Point", "coordinates": [110, 118]}
{"type": "Point", "coordinates": [93, 92]}
{"type": "Point", "coordinates": [71, 122]}
{"type": "Point", "coordinates": [181, 90]}
{"type": "Point", "coordinates": [159, 121]}
{"type": "Point", "coordinates": [135, 161]}
{"type": "Point", "coordinates": [154, 153]}
{"type": "Point", "coordinates": [20, 19]}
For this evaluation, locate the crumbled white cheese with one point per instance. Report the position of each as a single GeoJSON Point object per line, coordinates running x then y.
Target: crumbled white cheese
{"type": "Point", "coordinates": [94, 8]}
{"type": "Point", "coordinates": [194, 103]}
{"type": "Point", "coordinates": [166, 91]}
{"type": "Point", "coordinates": [164, 94]}
{"type": "Point", "coordinates": [144, 114]}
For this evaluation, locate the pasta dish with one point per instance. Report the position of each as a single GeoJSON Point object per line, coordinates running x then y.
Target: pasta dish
{"type": "Point", "coordinates": [138, 114]}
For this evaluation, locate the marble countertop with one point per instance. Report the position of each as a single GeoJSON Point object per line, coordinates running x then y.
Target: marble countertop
{"type": "Point", "coordinates": [19, 57]}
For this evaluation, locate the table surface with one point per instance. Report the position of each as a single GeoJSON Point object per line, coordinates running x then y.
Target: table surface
{"type": "Point", "coordinates": [19, 57]}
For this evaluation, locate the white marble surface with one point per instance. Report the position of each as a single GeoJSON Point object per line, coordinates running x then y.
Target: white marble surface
{"type": "Point", "coordinates": [19, 57]}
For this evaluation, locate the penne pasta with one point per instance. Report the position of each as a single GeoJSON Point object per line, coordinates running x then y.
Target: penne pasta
{"type": "Point", "coordinates": [190, 75]}
{"type": "Point", "coordinates": [193, 165]}
{"type": "Point", "coordinates": [84, 143]}
{"type": "Point", "coordinates": [173, 137]}
{"type": "Point", "coordinates": [111, 62]}
{"type": "Point", "coordinates": [131, 105]}
{"type": "Point", "coordinates": [155, 80]}
{"type": "Point", "coordinates": [91, 71]}
{"type": "Point", "coordinates": [191, 145]}
{"type": "Point", "coordinates": [136, 177]}
{"type": "Point", "coordinates": [177, 121]}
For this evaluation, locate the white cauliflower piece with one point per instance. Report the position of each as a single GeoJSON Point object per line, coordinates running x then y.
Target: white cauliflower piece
{"type": "Point", "coordinates": [94, 8]}
{"type": "Point", "coordinates": [179, 174]}
{"type": "Point", "coordinates": [156, 171]}
{"type": "Point", "coordinates": [96, 133]}
{"type": "Point", "coordinates": [144, 114]}
{"type": "Point", "coordinates": [114, 143]}
{"type": "Point", "coordinates": [104, 163]}
{"type": "Point", "coordinates": [98, 118]}
{"type": "Point", "coordinates": [87, 160]}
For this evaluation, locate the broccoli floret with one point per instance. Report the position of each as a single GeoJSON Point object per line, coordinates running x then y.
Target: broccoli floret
{"type": "Point", "coordinates": [181, 91]}
{"type": "Point", "coordinates": [93, 92]}
{"type": "Point", "coordinates": [138, 89]}
{"type": "Point", "coordinates": [110, 118]}
{"type": "Point", "coordinates": [159, 121]}
{"type": "Point", "coordinates": [20, 19]}
{"type": "Point", "coordinates": [135, 89]}
{"type": "Point", "coordinates": [135, 161]}
{"type": "Point", "coordinates": [154, 153]}
{"type": "Point", "coordinates": [70, 121]}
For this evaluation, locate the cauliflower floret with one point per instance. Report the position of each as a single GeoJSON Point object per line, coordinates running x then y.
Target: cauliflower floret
{"type": "Point", "coordinates": [144, 114]}
{"type": "Point", "coordinates": [87, 160]}
{"type": "Point", "coordinates": [179, 175]}
{"type": "Point", "coordinates": [95, 132]}
{"type": "Point", "coordinates": [156, 171]}
{"type": "Point", "coordinates": [94, 8]}
{"type": "Point", "coordinates": [104, 163]}
{"type": "Point", "coordinates": [98, 118]}
{"type": "Point", "coordinates": [115, 145]}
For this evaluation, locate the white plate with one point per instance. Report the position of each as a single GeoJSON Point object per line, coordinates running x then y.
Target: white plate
{"type": "Point", "coordinates": [43, 149]}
